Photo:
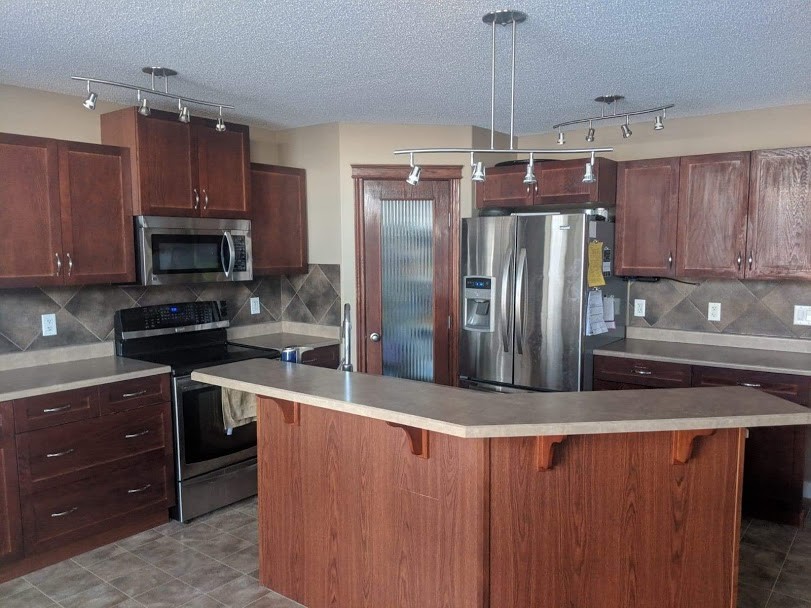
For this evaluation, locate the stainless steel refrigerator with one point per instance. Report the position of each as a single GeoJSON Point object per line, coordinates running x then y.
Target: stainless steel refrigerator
{"type": "Point", "coordinates": [525, 300]}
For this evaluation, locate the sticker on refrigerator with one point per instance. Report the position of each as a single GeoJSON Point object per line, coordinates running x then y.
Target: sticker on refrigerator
{"type": "Point", "coordinates": [606, 261]}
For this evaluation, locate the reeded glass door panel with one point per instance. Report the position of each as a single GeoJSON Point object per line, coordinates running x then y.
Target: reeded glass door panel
{"type": "Point", "coordinates": [407, 250]}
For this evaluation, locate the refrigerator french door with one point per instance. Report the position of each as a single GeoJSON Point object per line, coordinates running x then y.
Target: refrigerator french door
{"type": "Point", "coordinates": [524, 300]}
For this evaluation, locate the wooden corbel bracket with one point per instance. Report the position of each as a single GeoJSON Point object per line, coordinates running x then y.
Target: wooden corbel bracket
{"type": "Point", "coordinates": [683, 443]}
{"type": "Point", "coordinates": [417, 439]}
{"type": "Point", "coordinates": [291, 411]}
{"type": "Point", "coordinates": [545, 450]}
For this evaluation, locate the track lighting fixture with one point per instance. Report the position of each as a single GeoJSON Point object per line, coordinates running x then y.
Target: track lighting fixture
{"type": "Point", "coordinates": [530, 178]}
{"type": "Point", "coordinates": [413, 177]}
{"type": "Point", "coordinates": [511, 19]}
{"type": "Point", "coordinates": [608, 101]}
{"type": "Point", "coordinates": [143, 105]}
{"type": "Point", "coordinates": [588, 176]}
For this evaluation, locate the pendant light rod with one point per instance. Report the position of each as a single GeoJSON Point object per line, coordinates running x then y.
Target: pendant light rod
{"type": "Point", "coordinates": [152, 91]}
{"type": "Point", "coordinates": [610, 116]}
{"type": "Point", "coordinates": [493, 89]}
{"type": "Point", "coordinates": [512, 91]}
{"type": "Point", "coordinates": [554, 151]}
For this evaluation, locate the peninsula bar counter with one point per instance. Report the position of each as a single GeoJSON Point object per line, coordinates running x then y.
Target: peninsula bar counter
{"type": "Point", "coordinates": [382, 492]}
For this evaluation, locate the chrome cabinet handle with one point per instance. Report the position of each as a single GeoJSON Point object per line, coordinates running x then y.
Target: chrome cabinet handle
{"type": "Point", "coordinates": [520, 269]}
{"type": "Point", "coordinates": [139, 490]}
{"type": "Point", "coordinates": [205, 199]}
{"type": "Point", "coordinates": [232, 252]}
{"type": "Point", "coordinates": [58, 454]}
{"type": "Point", "coordinates": [529, 187]}
{"type": "Point", "coordinates": [61, 408]}
{"type": "Point", "coordinates": [751, 259]}
{"type": "Point", "coordinates": [670, 260]}
{"type": "Point", "coordinates": [134, 435]}
{"type": "Point", "coordinates": [58, 264]}
{"type": "Point", "coordinates": [505, 278]}
{"type": "Point", "coordinates": [750, 384]}
{"type": "Point", "coordinates": [63, 513]}
{"type": "Point", "coordinates": [642, 372]}
{"type": "Point", "coordinates": [374, 336]}
{"type": "Point", "coordinates": [739, 259]}
{"type": "Point", "coordinates": [70, 263]}
{"type": "Point", "coordinates": [196, 198]}
{"type": "Point", "coordinates": [136, 394]}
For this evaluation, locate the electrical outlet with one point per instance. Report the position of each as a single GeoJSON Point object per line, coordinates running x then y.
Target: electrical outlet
{"type": "Point", "coordinates": [802, 315]}
{"type": "Point", "coordinates": [639, 308]}
{"type": "Point", "coordinates": [714, 311]}
{"type": "Point", "coordinates": [48, 325]}
{"type": "Point", "coordinates": [254, 306]}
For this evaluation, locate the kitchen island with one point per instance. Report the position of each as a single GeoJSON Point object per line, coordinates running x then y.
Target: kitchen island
{"type": "Point", "coordinates": [377, 491]}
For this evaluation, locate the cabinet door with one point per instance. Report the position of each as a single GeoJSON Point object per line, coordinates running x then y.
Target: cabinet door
{"type": "Point", "coordinates": [224, 166]}
{"type": "Point", "coordinates": [561, 182]}
{"type": "Point", "coordinates": [30, 229]}
{"type": "Point", "coordinates": [167, 171]}
{"type": "Point", "coordinates": [713, 200]}
{"type": "Point", "coordinates": [505, 187]}
{"type": "Point", "coordinates": [779, 219]}
{"type": "Point", "coordinates": [279, 219]}
{"type": "Point", "coordinates": [647, 211]}
{"type": "Point", "coordinates": [10, 522]}
{"type": "Point", "coordinates": [96, 213]}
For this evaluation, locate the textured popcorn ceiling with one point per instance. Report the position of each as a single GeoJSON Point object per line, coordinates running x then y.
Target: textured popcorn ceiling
{"type": "Point", "coordinates": [425, 61]}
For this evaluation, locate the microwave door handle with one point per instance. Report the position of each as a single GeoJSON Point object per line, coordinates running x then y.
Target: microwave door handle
{"type": "Point", "coordinates": [232, 253]}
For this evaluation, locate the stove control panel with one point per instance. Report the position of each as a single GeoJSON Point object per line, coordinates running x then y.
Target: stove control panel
{"type": "Point", "coordinates": [168, 316]}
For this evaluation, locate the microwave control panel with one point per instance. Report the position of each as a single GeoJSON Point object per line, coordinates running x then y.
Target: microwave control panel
{"type": "Point", "coordinates": [241, 261]}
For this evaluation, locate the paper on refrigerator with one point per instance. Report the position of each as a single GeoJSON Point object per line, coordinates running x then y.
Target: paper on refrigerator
{"type": "Point", "coordinates": [595, 317]}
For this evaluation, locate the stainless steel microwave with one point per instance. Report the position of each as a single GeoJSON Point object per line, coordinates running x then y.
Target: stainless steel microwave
{"type": "Point", "coordinates": [173, 250]}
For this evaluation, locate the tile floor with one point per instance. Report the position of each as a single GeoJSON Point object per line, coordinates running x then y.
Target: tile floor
{"type": "Point", "coordinates": [213, 562]}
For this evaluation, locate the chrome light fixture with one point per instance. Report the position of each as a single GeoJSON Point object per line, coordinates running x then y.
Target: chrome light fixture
{"type": "Point", "coordinates": [608, 101]}
{"type": "Point", "coordinates": [509, 18]}
{"type": "Point", "coordinates": [588, 176]}
{"type": "Point", "coordinates": [143, 105]}
{"type": "Point", "coordinates": [530, 178]}
{"type": "Point", "coordinates": [414, 177]}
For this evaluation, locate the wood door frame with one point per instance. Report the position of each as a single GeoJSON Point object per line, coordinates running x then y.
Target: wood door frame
{"type": "Point", "coordinates": [449, 173]}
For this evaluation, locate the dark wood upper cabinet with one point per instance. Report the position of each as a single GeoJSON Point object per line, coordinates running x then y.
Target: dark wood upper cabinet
{"type": "Point", "coordinates": [505, 187]}
{"type": "Point", "coordinates": [10, 523]}
{"type": "Point", "coordinates": [647, 212]}
{"type": "Point", "coordinates": [30, 224]}
{"type": "Point", "coordinates": [279, 219]}
{"type": "Point", "coordinates": [713, 201]}
{"type": "Point", "coordinates": [173, 163]}
{"type": "Point", "coordinates": [779, 230]}
{"type": "Point", "coordinates": [223, 161]}
{"type": "Point", "coordinates": [97, 234]}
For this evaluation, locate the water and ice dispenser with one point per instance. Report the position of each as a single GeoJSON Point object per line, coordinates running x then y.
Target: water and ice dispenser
{"type": "Point", "coordinates": [478, 303]}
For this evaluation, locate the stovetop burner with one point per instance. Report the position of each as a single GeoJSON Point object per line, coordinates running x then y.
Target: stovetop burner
{"type": "Point", "coordinates": [184, 361]}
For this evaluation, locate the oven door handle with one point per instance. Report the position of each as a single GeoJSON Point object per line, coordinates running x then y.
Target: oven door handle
{"type": "Point", "coordinates": [232, 253]}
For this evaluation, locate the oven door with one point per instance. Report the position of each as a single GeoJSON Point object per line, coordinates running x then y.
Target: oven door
{"type": "Point", "coordinates": [201, 441]}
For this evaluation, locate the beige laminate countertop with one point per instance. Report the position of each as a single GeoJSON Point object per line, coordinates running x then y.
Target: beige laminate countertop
{"type": "Point", "coordinates": [281, 340]}
{"type": "Point", "coordinates": [55, 377]}
{"type": "Point", "coordinates": [471, 414]}
{"type": "Point", "coordinates": [754, 359]}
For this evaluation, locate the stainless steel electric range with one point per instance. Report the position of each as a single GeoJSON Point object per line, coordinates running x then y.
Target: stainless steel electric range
{"type": "Point", "coordinates": [214, 466]}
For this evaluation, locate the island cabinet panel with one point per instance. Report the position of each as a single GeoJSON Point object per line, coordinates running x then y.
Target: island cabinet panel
{"type": "Point", "coordinates": [349, 516]}
{"type": "Point", "coordinates": [615, 522]}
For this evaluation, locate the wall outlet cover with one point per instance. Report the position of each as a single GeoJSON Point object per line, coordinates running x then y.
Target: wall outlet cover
{"type": "Point", "coordinates": [639, 308]}
{"type": "Point", "coordinates": [49, 325]}
{"type": "Point", "coordinates": [254, 306]}
{"type": "Point", "coordinates": [714, 311]}
{"type": "Point", "coordinates": [802, 315]}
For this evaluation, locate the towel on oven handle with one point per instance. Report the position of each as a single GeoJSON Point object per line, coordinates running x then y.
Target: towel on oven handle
{"type": "Point", "coordinates": [238, 409]}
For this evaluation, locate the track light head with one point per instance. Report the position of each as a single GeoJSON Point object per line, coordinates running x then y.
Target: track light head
{"type": "Point", "coordinates": [530, 178]}
{"type": "Point", "coordinates": [478, 172]}
{"type": "Point", "coordinates": [143, 108]}
{"type": "Point", "coordinates": [184, 116]}
{"type": "Point", "coordinates": [561, 138]}
{"type": "Point", "coordinates": [590, 135]}
{"type": "Point", "coordinates": [626, 130]}
{"type": "Point", "coordinates": [658, 124]}
{"type": "Point", "coordinates": [90, 102]}
{"type": "Point", "coordinates": [414, 177]}
{"type": "Point", "coordinates": [220, 127]}
{"type": "Point", "coordinates": [588, 176]}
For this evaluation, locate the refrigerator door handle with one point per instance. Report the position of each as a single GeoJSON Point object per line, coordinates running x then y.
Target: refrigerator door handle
{"type": "Point", "coordinates": [505, 279]}
{"type": "Point", "coordinates": [520, 269]}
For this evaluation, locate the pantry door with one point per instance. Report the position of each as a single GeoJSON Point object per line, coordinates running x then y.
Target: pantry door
{"type": "Point", "coordinates": [407, 271]}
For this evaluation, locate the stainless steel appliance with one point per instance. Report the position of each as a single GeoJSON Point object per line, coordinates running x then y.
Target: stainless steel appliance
{"type": "Point", "coordinates": [525, 299]}
{"type": "Point", "coordinates": [191, 250]}
{"type": "Point", "coordinates": [214, 466]}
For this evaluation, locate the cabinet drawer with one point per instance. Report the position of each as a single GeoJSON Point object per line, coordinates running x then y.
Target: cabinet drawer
{"type": "Point", "coordinates": [71, 511]}
{"type": "Point", "coordinates": [608, 385]}
{"type": "Point", "coordinates": [654, 374]}
{"type": "Point", "coordinates": [129, 394]}
{"type": "Point", "coordinates": [55, 408]}
{"type": "Point", "coordinates": [787, 386]}
{"type": "Point", "coordinates": [324, 356]}
{"type": "Point", "coordinates": [51, 457]}
{"type": "Point", "coordinates": [6, 421]}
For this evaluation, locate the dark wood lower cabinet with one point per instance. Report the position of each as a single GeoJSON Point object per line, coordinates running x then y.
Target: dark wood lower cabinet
{"type": "Point", "coordinates": [11, 532]}
{"type": "Point", "coordinates": [323, 356]}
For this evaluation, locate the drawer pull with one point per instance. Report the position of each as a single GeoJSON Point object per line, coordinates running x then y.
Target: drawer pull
{"type": "Point", "coordinates": [63, 513]}
{"type": "Point", "coordinates": [642, 372]}
{"type": "Point", "coordinates": [134, 435]}
{"type": "Point", "coordinates": [58, 454]}
{"type": "Point", "coordinates": [139, 490]}
{"type": "Point", "coordinates": [750, 384]}
{"type": "Point", "coordinates": [135, 394]}
{"type": "Point", "coordinates": [61, 408]}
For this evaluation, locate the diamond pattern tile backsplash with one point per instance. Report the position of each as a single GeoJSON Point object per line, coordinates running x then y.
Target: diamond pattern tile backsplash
{"type": "Point", "coordinates": [757, 308]}
{"type": "Point", "coordinates": [84, 314]}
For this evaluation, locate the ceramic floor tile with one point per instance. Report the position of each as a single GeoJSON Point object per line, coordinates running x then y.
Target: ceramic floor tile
{"type": "Point", "coordinates": [96, 596]}
{"type": "Point", "coordinates": [795, 578]}
{"type": "Point", "coordinates": [159, 550]}
{"type": "Point", "coordinates": [140, 581]}
{"type": "Point", "coordinates": [139, 539]}
{"type": "Point", "coordinates": [169, 595]}
{"type": "Point", "coordinates": [249, 532]}
{"type": "Point", "coordinates": [240, 592]}
{"type": "Point", "coordinates": [96, 555]}
{"type": "Point", "coordinates": [802, 543]}
{"type": "Point", "coordinates": [230, 520]}
{"type": "Point", "coordinates": [203, 601]}
{"type": "Point", "coordinates": [170, 527]}
{"type": "Point", "coordinates": [784, 601]}
{"type": "Point", "coordinates": [221, 545]}
{"type": "Point", "coordinates": [210, 576]}
{"type": "Point", "coordinates": [180, 563]}
{"type": "Point", "coordinates": [30, 598]}
{"type": "Point", "coordinates": [197, 532]}
{"type": "Point", "coordinates": [13, 587]}
{"type": "Point", "coordinates": [752, 597]}
{"type": "Point", "coordinates": [113, 567]}
{"type": "Point", "coordinates": [759, 567]}
{"type": "Point", "coordinates": [767, 535]}
{"type": "Point", "coordinates": [70, 581]}
{"type": "Point", "coordinates": [245, 561]}
{"type": "Point", "coordinates": [274, 600]}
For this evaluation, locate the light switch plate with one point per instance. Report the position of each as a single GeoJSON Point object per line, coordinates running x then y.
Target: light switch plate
{"type": "Point", "coordinates": [714, 311]}
{"type": "Point", "coordinates": [639, 308]}
{"type": "Point", "coordinates": [802, 315]}
{"type": "Point", "coordinates": [49, 325]}
{"type": "Point", "coordinates": [254, 306]}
